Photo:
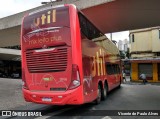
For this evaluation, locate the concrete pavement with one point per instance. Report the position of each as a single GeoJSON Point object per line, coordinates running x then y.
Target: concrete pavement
{"type": "Point", "coordinates": [131, 96]}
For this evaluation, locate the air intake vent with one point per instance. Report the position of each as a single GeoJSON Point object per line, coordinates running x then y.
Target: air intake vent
{"type": "Point", "coordinates": [54, 60]}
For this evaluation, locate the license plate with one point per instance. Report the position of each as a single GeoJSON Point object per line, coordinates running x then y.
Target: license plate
{"type": "Point", "coordinates": [47, 99]}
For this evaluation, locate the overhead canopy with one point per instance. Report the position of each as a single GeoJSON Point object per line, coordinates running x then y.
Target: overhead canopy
{"type": "Point", "coordinates": [10, 54]}
{"type": "Point", "coordinates": [114, 16]}
{"type": "Point", "coordinates": [118, 15]}
{"type": "Point", "coordinates": [121, 15]}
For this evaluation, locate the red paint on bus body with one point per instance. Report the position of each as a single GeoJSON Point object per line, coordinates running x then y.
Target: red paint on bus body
{"type": "Point", "coordinates": [59, 65]}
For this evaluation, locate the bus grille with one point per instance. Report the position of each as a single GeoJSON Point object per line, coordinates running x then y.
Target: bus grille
{"type": "Point", "coordinates": [52, 61]}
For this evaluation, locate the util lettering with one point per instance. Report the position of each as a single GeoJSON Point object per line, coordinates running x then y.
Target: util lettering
{"type": "Point", "coordinates": [98, 63]}
{"type": "Point", "coordinates": [49, 17]}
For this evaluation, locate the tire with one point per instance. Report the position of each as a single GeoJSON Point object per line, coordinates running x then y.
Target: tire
{"type": "Point", "coordinates": [99, 96]}
{"type": "Point", "coordinates": [105, 92]}
{"type": "Point", "coordinates": [119, 86]}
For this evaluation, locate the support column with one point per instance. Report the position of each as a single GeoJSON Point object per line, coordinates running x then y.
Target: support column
{"type": "Point", "coordinates": [134, 67]}
{"type": "Point", "coordinates": [155, 72]}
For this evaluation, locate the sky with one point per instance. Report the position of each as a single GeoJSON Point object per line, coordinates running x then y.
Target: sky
{"type": "Point", "coordinates": [119, 35]}
{"type": "Point", "coordinates": [10, 7]}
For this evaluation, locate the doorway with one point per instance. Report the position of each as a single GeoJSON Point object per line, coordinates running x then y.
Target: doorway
{"type": "Point", "coordinates": [146, 68]}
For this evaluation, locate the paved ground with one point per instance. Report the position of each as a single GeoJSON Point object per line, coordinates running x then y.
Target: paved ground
{"type": "Point", "coordinates": [131, 96]}
{"type": "Point", "coordinates": [10, 93]}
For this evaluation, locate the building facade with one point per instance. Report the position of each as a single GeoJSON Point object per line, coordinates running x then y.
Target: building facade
{"type": "Point", "coordinates": [120, 45]}
{"type": "Point", "coordinates": [123, 45]}
{"type": "Point", "coordinates": [145, 53]}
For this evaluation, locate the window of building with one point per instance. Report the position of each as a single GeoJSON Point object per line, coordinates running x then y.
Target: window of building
{"type": "Point", "coordinates": [132, 37]}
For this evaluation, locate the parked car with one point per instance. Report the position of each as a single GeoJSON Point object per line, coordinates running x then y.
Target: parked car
{"type": "Point", "coordinates": [15, 75]}
{"type": "Point", "coordinates": [3, 75]}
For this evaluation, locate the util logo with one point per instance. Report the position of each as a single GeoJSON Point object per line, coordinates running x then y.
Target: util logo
{"type": "Point", "coordinates": [49, 17]}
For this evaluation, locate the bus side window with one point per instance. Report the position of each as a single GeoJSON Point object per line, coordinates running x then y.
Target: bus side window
{"type": "Point", "coordinates": [118, 68]}
{"type": "Point", "coordinates": [109, 69]}
{"type": "Point", "coordinates": [87, 28]}
{"type": "Point", "coordinates": [112, 69]}
{"type": "Point", "coordinates": [83, 25]}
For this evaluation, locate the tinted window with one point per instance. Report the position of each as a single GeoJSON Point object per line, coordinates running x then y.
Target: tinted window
{"type": "Point", "coordinates": [88, 29]}
{"type": "Point", "coordinates": [112, 69]}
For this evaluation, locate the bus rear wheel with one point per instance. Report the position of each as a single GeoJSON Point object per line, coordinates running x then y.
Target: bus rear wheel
{"type": "Point", "coordinates": [119, 86]}
{"type": "Point", "coordinates": [99, 95]}
{"type": "Point", "coordinates": [104, 92]}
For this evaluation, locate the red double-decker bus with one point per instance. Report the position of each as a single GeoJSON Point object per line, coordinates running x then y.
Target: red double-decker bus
{"type": "Point", "coordinates": [66, 59]}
